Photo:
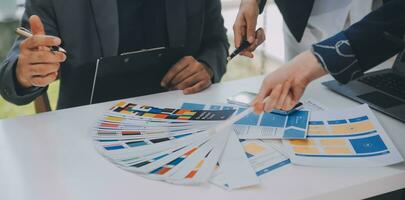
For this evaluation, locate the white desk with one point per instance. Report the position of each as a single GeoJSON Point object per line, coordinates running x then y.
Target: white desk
{"type": "Point", "coordinates": [51, 156]}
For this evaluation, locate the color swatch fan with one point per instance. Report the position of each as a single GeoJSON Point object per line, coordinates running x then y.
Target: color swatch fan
{"type": "Point", "coordinates": [173, 145]}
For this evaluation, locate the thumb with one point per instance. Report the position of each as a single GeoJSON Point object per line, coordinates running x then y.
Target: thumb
{"type": "Point", "coordinates": [36, 25]}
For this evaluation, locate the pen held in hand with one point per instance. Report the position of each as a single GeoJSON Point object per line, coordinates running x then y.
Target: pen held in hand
{"type": "Point", "coordinates": [27, 33]}
{"type": "Point", "coordinates": [245, 44]}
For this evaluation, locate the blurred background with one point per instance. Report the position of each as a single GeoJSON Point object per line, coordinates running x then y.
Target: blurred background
{"type": "Point", "coordinates": [267, 58]}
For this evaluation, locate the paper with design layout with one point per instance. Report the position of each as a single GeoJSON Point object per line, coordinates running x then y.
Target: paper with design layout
{"type": "Point", "coordinates": [264, 126]}
{"type": "Point", "coordinates": [351, 138]}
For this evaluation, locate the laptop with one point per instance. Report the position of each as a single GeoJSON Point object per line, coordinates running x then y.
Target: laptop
{"type": "Point", "coordinates": [383, 90]}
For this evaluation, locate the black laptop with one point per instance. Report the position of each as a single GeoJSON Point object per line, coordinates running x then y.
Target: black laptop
{"type": "Point", "coordinates": [383, 90]}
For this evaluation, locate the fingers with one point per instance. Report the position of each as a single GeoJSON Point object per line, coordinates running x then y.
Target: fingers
{"type": "Point", "coordinates": [251, 22]}
{"type": "Point", "coordinates": [197, 87]}
{"type": "Point", "coordinates": [36, 25]}
{"type": "Point", "coordinates": [239, 30]}
{"type": "Point", "coordinates": [284, 92]}
{"type": "Point", "coordinates": [190, 81]}
{"type": "Point", "coordinates": [178, 67]}
{"type": "Point", "coordinates": [200, 75]}
{"type": "Point", "coordinates": [187, 72]}
{"type": "Point", "coordinates": [287, 103]}
{"type": "Point", "coordinates": [37, 57]}
{"type": "Point", "coordinates": [273, 98]}
{"type": "Point", "coordinates": [259, 39]}
{"type": "Point", "coordinates": [264, 91]}
{"type": "Point", "coordinates": [43, 81]}
{"type": "Point", "coordinates": [40, 40]}
{"type": "Point", "coordinates": [44, 69]}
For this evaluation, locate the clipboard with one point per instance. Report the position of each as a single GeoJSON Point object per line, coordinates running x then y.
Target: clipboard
{"type": "Point", "coordinates": [129, 74]}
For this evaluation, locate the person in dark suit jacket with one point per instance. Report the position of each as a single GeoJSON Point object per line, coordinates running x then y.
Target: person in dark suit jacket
{"type": "Point", "coordinates": [193, 32]}
{"type": "Point", "coordinates": [346, 56]}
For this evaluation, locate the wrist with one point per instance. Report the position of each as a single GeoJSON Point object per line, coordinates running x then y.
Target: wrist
{"type": "Point", "coordinates": [312, 67]}
{"type": "Point", "coordinates": [208, 69]}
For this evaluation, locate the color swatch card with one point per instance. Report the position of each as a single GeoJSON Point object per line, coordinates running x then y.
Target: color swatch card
{"type": "Point", "coordinates": [352, 138]}
{"type": "Point", "coordinates": [178, 146]}
{"type": "Point", "coordinates": [262, 157]}
{"type": "Point", "coordinates": [264, 126]}
{"type": "Point", "coordinates": [234, 169]}
{"type": "Point", "coordinates": [146, 111]}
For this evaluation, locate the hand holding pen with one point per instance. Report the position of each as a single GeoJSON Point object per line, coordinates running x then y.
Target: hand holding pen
{"type": "Point", "coordinates": [246, 47]}
{"type": "Point", "coordinates": [40, 57]}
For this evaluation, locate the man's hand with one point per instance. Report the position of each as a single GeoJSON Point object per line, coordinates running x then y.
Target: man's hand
{"type": "Point", "coordinates": [284, 87]}
{"type": "Point", "coordinates": [188, 75]}
{"type": "Point", "coordinates": [37, 65]}
{"type": "Point", "coordinates": [244, 27]}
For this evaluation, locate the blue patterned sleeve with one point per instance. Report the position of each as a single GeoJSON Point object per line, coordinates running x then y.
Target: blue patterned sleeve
{"type": "Point", "coordinates": [336, 55]}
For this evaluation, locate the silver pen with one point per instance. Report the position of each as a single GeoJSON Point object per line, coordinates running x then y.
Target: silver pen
{"type": "Point", "coordinates": [27, 33]}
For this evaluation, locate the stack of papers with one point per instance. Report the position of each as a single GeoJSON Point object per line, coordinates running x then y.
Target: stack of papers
{"type": "Point", "coordinates": [185, 146]}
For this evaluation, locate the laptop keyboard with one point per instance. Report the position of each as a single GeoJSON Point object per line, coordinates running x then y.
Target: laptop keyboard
{"type": "Point", "coordinates": [389, 83]}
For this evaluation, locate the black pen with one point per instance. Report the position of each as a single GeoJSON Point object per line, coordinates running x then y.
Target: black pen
{"type": "Point", "coordinates": [245, 44]}
{"type": "Point", "coordinates": [27, 33]}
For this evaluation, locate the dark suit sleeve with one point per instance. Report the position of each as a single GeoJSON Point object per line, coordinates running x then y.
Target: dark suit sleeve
{"type": "Point", "coordinates": [214, 45]}
{"type": "Point", "coordinates": [9, 87]}
{"type": "Point", "coordinates": [348, 54]}
{"type": "Point", "coordinates": [262, 3]}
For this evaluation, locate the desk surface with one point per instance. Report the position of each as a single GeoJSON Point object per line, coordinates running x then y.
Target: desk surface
{"type": "Point", "coordinates": [51, 156]}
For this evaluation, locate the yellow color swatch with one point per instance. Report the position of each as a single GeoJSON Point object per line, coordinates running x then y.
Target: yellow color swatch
{"type": "Point", "coordinates": [319, 130]}
{"type": "Point", "coordinates": [361, 127]}
{"type": "Point", "coordinates": [189, 113]}
{"type": "Point", "coordinates": [199, 165]}
{"type": "Point", "coordinates": [121, 104]}
{"type": "Point", "coordinates": [337, 150]}
{"type": "Point", "coordinates": [302, 142]}
{"type": "Point", "coordinates": [253, 148]}
{"type": "Point", "coordinates": [341, 129]}
{"type": "Point", "coordinates": [306, 150]}
{"type": "Point", "coordinates": [334, 142]}
{"type": "Point", "coordinates": [148, 115]}
{"type": "Point", "coordinates": [114, 119]}
{"type": "Point", "coordinates": [125, 112]}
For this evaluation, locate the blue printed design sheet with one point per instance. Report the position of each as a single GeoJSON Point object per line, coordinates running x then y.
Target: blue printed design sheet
{"type": "Point", "coordinates": [267, 125]}
{"type": "Point", "coordinates": [344, 138]}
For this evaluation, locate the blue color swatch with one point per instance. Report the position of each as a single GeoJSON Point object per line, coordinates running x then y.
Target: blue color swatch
{"type": "Point", "coordinates": [368, 145]}
{"type": "Point", "coordinates": [273, 120]}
